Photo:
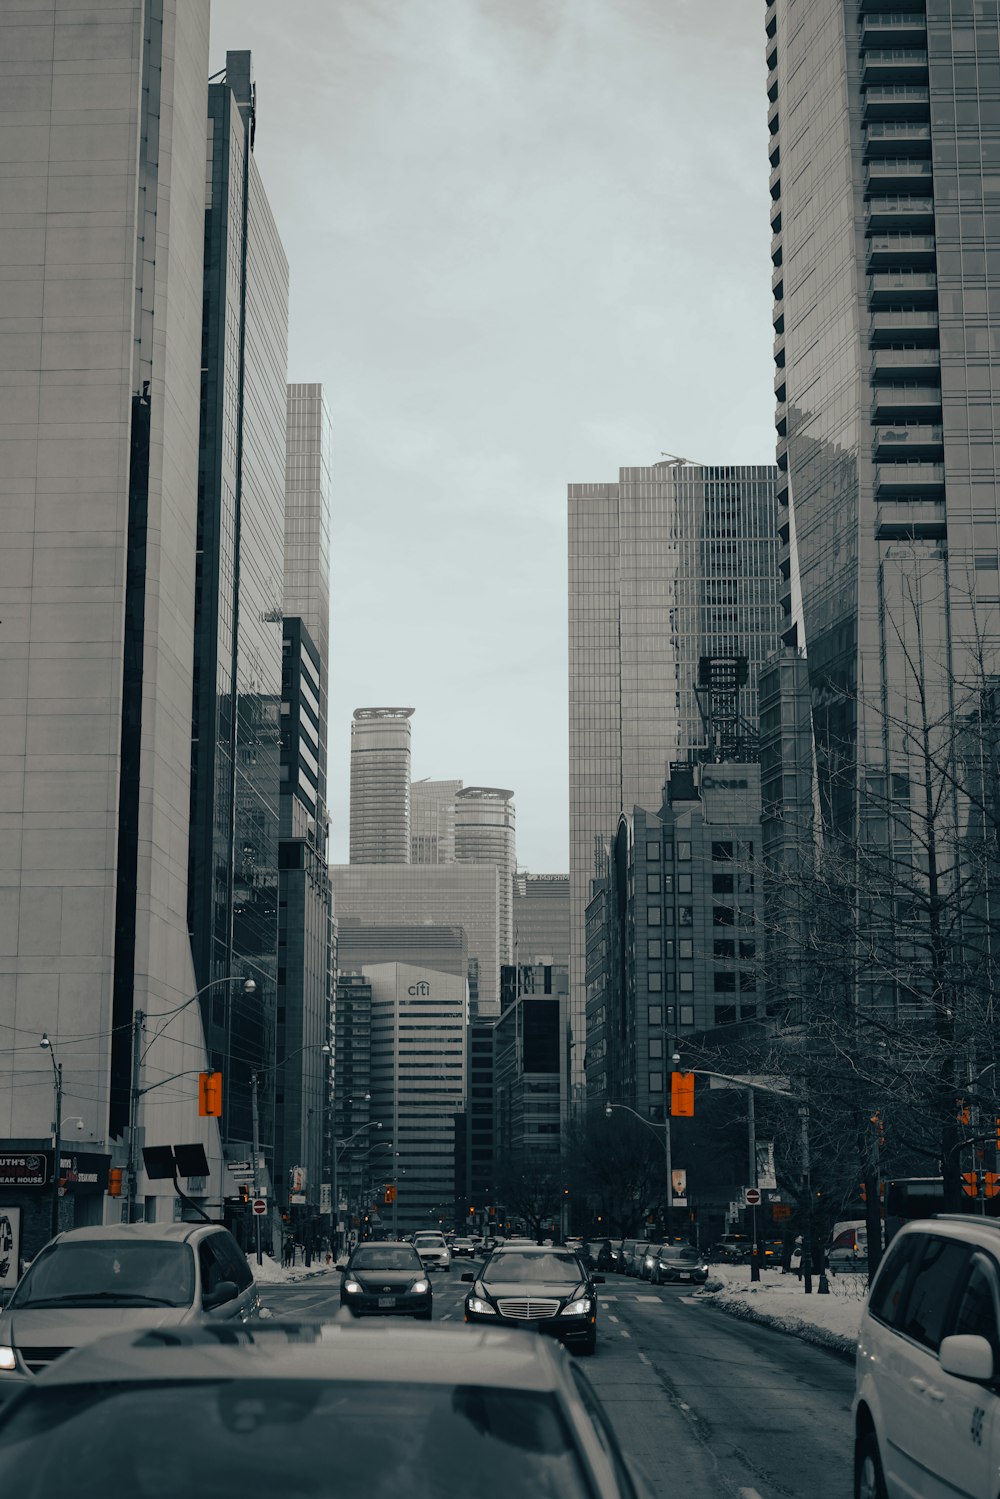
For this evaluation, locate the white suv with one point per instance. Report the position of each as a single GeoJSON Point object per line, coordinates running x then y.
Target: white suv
{"type": "Point", "coordinates": [433, 1250]}
{"type": "Point", "coordinates": [927, 1389]}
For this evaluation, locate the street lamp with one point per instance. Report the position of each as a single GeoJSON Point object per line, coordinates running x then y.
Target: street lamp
{"type": "Point", "coordinates": [46, 1045]}
{"type": "Point", "coordinates": [325, 1051]}
{"type": "Point", "coordinates": [337, 1154]}
{"type": "Point", "coordinates": [654, 1126]}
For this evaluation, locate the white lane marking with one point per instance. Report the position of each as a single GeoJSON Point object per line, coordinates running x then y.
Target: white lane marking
{"type": "Point", "coordinates": [643, 1359]}
{"type": "Point", "coordinates": [611, 1318]}
{"type": "Point", "coordinates": [692, 1301]}
{"type": "Point", "coordinates": [625, 1334]}
{"type": "Point", "coordinates": [657, 1299]}
{"type": "Point", "coordinates": [445, 1316]}
{"type": "Point", "coordinates": [748, 1493]}
{"type": "Point", "coordinates": [686, 1407]}
{"type": "Point", "coordinates": [609, 1298]}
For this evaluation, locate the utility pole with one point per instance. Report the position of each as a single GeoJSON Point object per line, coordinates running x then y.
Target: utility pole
{"type": "Point", "coordinates": [807, 1283]}
{"type": "Point", "coordinates": [131, 1168]}
{"type": "Point", "coordinates": [255, 1162]}
{"type": "Point", "coordinates": [57, 1150]}
{"type": "Point", "coordinates": [752, 1146]}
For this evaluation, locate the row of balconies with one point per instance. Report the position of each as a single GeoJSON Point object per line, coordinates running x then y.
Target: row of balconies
{"type": "Point", "coordinates": [887, 138]}
{"type": "Point", "coordinates": [904, 444]}
{"type": "Point", "coordinates": [880, 29]}
{"type": "Point", "coordinates": [899, 174]}
{"type": "Point", "coordinates": [896, 101]}
{"type": "Point", "coordinates": [898, 250]}
{"type": "Point", "coordinates": [894, 65]}
{"type": "Point", "coordinates": [902, 289]}
{"type": "Point", "coordinates": [922, 366]}
{"type": "Point", "coordinates": [906, 402]}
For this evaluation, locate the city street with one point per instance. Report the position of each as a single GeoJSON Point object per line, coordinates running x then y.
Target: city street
{"type": "Point", "coordinates": [707, 1405]}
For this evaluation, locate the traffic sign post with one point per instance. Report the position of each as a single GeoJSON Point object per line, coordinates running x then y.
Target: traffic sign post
{"type": "Point", "coordinates": [259, 1207]}
{"type": "Point", "coordinates": [752, 1196]}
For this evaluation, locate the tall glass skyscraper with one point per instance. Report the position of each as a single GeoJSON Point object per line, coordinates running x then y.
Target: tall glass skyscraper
{"type": "Point", "coordinates": [672, 563]}
{"type": "Point", "coordinates": [885, 181]}
{"type": "Point", "coordinates": [380, 786]}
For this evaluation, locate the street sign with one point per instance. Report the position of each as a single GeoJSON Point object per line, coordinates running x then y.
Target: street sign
{"type": "Point", "coordinates": [259, 1206]}
{"type": "Point", "coordinates": [751, 1196]}
{"type": "Point", "coordinates": [239, 1166]}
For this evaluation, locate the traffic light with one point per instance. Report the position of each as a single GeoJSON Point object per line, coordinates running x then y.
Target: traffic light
{"type": "Point", "coordinates": [682, 1095]}
{"type": "Point", "coordinates": [998, 1134]}
{"type": "Point", "coordinates": [389, 1195]}
{"type": "Point", "coordinates": [115, 1176]}
{"type": "Point", "coordinates": [879, 1124]}
{"type": "Point", "coordinates": [970, 1184]}
{"type": "Point", "coordinates": [963, 1112]}
{"type": "Point", "coordinates": [991, 1183]}
{"type": "Point", "coordinates": [210, 1095]}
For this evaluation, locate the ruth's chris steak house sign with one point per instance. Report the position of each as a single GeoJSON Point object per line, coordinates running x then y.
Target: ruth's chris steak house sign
{"type": "Point", "coordinates": [29, 1169]}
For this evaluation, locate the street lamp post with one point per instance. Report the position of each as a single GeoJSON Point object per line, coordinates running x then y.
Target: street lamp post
{"type": "Point", "coordinates": [324, 1050]}
{"type": "Point", "coordinates": [652, 1124]}
{"type": "Point", "coordinates": [46, 1044]}
{"type": "Point", "coordinates": [344, 1145]}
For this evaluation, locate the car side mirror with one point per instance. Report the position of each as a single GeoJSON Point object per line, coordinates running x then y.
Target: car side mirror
{"type": "Point", "coordinates": [967, 1356]}
{"type": "Point", "coordinates": [598, 1280]}
{"type": "Point", "coordinates": [468, 1275]}
{"type": "Point", "coordinates": [226, 1290]}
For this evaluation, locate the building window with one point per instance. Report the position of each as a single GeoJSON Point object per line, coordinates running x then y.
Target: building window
{"type": "Point", "coordinates": [652, 884]}
{"type": "Point", "coordinates": [722, 884]}
{"type": "Point", "coordinates": [652, 853]}
{"type": "Point", "coordinates": [724, 983]}
{"type": "Point", "coordinates": [668, 851]}
{"type": "Point", "coordinates": [685, 982]}
{"type": "Point", "coordinates": [656, 1047]}
{"type": "Point", "coordinates": [723, 916]}
{"type": "Point", "coordinates": [748, 981]}
{"type": "Point", "coordinates": [748, 1012]}
{"type": "Point", "coordinates": [725, 948]}
{"type": "Point", "coordinates": [685, 916]}
{"type": "Point", "coordinates": [654, 982]}
{"type": "Point", "coordinates": [683, 851]}
{"type": "Point", "coordinates": [655, 1086]}
{"type": "Point", "coordinates": [722, 851]}
{"type": "Point", "coordinates": [685, 948]}
{"type": "Point", "coordinates": [725, 1014]}
{"type": "Point", "coordinates": [652, 915]}
{"type": "Point", "coordinates": [687, 1014]}
{"type": "Point", "coordinates": [668, 982]}
{"type": "Point", "coordinates": [683, 884]}
{"type": "Point", "coordinates": [655, 1016]}
{"type": "Point", "coordinates": [654, 948]}
{"type": "Point", "coordinates": [747, 950]}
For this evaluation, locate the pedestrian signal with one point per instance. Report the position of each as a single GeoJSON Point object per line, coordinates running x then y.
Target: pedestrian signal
{"type": "Point", "coordinates": [991, 1183]}
{"type": "Point", "coordinates": [115, 1181]}
{"type": "Point", "coordinates": [970, 1184]}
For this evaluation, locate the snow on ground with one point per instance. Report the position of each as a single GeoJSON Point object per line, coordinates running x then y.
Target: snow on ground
{"type": "Point", "coordinates": [779, 1301]}
{"type": "Point", "coordinates": [270, 1273]}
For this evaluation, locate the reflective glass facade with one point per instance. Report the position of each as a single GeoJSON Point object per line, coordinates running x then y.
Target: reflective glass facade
{"type": "Point", "coordinates": [237, 697]}
{"type": "Point", "coordinates": [885, 184]}
{"type": "Point", "coordinates": [673, 562]}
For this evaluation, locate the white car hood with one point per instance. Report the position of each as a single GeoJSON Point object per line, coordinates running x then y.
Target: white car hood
{"type": "Point", "coordinates": [71, 1327]}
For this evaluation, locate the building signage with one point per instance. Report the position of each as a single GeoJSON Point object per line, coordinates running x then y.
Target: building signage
{"type": "Point", "coordinates": [10, 1247]}
{"type": "Point", "coordinates": [28, 1169]}
{"type": "Point", "coordinates": [81, 1172]}
{"type": "Point", "coordinates": [717, 784]}
{"type": "Point", "coordinates": [421, 988]}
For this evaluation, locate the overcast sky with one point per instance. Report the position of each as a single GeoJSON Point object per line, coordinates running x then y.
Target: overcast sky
{"type": "Point", "coordinates": [529, 244]}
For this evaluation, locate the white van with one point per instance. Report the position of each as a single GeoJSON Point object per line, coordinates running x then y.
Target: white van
{"type": "Point", "coordinates": [849, 1247]}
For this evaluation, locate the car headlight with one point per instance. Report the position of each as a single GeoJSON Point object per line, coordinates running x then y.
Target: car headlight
{"type": "Point", "coordinates": [351, 1287]}
{"type": "Point", "coordinates": [8, 1358]}
{"type": "Point", "coordinates": [481, 1308]}
{"type": "Point", "coordinates": [420, 1287]}
{"type": "Point", "coordinates": [577, 1308]}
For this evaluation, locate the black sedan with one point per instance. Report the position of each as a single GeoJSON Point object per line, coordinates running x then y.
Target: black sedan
{"type": "Point", "coordinates": [384, 1280]}
{"type": "Point", "coordinates": [300, 1409]}
{"type": "Point", "coordinates": [549, 1290]}
{"type": "Point", "coordinates": [679, 1263]}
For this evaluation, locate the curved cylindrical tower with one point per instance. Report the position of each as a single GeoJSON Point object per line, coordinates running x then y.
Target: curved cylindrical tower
{"type": "Point", "coordinates": [380, 786]}
{"type": "Point", "coordinates": [485, 834]}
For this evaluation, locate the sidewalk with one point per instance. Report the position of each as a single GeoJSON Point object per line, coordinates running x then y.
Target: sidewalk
{"type": "Point", "coordinates": [779, 1301]}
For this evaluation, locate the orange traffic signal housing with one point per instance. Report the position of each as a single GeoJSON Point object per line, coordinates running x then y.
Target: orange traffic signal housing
{"type": "Point", "coordinates": [115, 1175]}
{"type": "Point", "coordinates": [210, 1095]}
{"type": "Point", "coordinates": [682, 1095]}
{"type": "Point", "coordinates": [389, 1196]}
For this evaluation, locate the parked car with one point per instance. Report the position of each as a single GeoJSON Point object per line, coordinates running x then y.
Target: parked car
{"type": "Point", "coordinates": [732, 1249]}
{"type": "Point", "coordinates": [90, 1281]}
{"type": "Point", "coordinates": [648, 1261]}
{"type": "Point", "coordinates": [386, 1279]}
{"type": "Point", "coordinates": [395, 1409]}
{"type": "Point", "coordinates": [433, 1250]}
{"type": "Point", "coordinates": [679, 1263]}
{"type": "Point", "coordinates": [927, 1401]}
{"type": "Point", "coordinates": [547, 1289]}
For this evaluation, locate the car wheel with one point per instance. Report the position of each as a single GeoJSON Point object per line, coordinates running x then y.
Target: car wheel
{"type": "Point", "coordinates": [424, 1316]}
{"type": "Point", "coordinates": [590, 1346]}
{"type": "Point", "coordinates": [869, 1480]}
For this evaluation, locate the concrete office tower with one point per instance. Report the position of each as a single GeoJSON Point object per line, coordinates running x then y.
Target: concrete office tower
{"type": "Point", "coordinates": [541, 918]}
{"type": "Point", "coordinates": [419, 1019]}
{"type": "Point", "coordinates": [102, 179]}
{"type": "Point", "coordinates": [408, 895]}
{"type": "Point", "coordinates": [485, 834]}
{"type": "Point", "coordinates": [884, 140]}
{"type": "Point", "coordinates": [238, 633]}
{"type": "Point", "coordinates": [432, 821]}
{"type": "Point", "coordinates": [380, 786]}
{"type": "Point", "coordinates": [305, 946]}
{"type": "Point", "coordinates": [672, 563]}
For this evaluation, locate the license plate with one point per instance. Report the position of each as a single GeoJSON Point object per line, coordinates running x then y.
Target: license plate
{"type": "Point", "coordinates": [685, 1275]}
{"type": "Point", "coordinates": [387, 1301]}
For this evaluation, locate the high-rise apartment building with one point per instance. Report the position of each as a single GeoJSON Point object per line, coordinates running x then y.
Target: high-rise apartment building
{"type": "Point", "coordinates": [432, 821]}
{"type": "Point", "coordinates": [885, 153]}
{"type": "Point", "coordinates": [380, 786]}
{"type": "Point", "coordinates": [485, 834]}
{"type": "Point", "coordinates": [673, 563]}
{"type": "Point", "coordinates": [102, 194]}
{"type": "Point", "coordinates": [235, 753]}
{"type": "Point", "coordinates": [541, 918]}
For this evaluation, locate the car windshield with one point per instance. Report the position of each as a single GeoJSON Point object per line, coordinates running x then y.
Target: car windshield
{"type": "Point", "coordinates": [555, 1268]}
{"type": "Point", "coordinates": [679, 1254]}
{"type": "Point", "coordinates": [430, 1241]}
{"type": "Point", "coordinates": [385, 1257]}
{"type": "Point", "coordinates": [99, 1272]}
{"type": "Point", "coordinates": [203, 1438]}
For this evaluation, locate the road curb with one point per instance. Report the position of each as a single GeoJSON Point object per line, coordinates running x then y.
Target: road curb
{"type": "Point", "coordinates": [820, 1337]}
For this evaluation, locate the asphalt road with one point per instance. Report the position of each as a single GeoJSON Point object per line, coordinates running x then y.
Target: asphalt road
{"type": "Point", "coordinates": [708, 1406]}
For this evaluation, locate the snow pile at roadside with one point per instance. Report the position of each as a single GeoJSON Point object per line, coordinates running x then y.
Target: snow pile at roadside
{"type": "Point", "coordinates": [779, 1301]}
{"type": "Point", "coordinates": [270, 1273]}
